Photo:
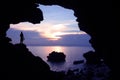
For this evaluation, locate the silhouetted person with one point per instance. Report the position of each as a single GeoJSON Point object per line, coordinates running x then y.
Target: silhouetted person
{"type": "Point", "coordinates": [21, 37]}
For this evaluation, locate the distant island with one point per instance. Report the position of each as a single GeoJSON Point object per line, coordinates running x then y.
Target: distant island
{"type": "Point", "coordinates": [56, 56]}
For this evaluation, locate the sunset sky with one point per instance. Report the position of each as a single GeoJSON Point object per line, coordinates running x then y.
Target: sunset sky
{"type": "Point", "coordinates": [59, 27]}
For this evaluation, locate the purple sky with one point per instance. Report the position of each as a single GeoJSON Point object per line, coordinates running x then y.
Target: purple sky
{"type": "Point", "coordinates": [59, 27]}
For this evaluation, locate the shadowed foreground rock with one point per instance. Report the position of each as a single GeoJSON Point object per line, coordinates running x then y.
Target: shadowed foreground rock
{"type": "Point", "coordinates": [95, 17]}
{"type": "Point", "coordinates": [92, 57]}
{"type": "Point", "coordinates": [18, 63]}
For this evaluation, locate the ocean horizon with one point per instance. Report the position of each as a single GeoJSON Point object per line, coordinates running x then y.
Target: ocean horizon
{"type": "Point", "coordinates": [58, 45]}
{"type": "Point", "coordinates": [72, 53]}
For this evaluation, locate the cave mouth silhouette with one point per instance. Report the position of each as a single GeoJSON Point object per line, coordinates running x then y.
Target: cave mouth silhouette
{"type": "Point", "coordinates": [95, 16]}
{"type": "Point", "coordinates": [59, 19]}
{"type": "Point", "coordinates": [69, 26]}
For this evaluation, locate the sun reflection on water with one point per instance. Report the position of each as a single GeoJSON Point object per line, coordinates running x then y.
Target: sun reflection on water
{"type": "Point", "coordinates": [57, 48]}
{"type": "Point", "coordinates": [72, 53]}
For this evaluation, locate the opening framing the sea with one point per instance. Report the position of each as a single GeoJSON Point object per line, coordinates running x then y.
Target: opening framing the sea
{"type": "Point", "coordinates": [72, 53]}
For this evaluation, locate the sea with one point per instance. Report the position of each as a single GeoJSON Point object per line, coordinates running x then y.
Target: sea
{"type": "Point", "coordinates": [72, 53]}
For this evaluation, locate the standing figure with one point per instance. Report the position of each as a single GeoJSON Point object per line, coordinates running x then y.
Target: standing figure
{"type": "Point", "coordinates": [21, 37]}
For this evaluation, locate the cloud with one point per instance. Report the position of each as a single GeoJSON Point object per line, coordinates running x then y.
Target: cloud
{"type": "Point", "coordinates": [59, 27]}
{"type": "Point", "coordinates": [33, 38]}
{"type": "Point", "coordinates": [57, 21]}
{"type": "Point", "coordinates": [45, 29]}
{"type": "Point", "coordinates": [75, 40]}
{"type": "Point", "coordinates": [24, 26]}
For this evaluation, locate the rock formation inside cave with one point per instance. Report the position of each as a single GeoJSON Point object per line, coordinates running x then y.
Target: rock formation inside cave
{"type": "Point", "coordinates": [94, 17]}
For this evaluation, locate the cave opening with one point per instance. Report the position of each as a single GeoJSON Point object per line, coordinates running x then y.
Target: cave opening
{"type": "Point", "coordinates": [58, 31]}
{"type": "Point", "coordinates": [58, 22]}
{"type": "Point", "coordinates": [96, 17]}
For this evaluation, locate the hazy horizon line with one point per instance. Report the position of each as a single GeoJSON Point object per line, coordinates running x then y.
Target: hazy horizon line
{"type": "Point", "coordinates": [60, 45]}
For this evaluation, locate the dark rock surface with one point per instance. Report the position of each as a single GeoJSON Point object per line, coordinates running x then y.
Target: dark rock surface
{"type": "Point", "coordinates": [93, 16]}
{"type": "Point", "coordinates": [18, 63]}
{"type": "Point", "coordinates": [92, 57]}
{"type": "Point", "coordinates": [78, 62]}
{"type": "Point", "coordinates": [56, 56]}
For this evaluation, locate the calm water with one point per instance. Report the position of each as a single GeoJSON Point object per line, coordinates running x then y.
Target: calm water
{"type": "Point", "coordinates": [72, 53]}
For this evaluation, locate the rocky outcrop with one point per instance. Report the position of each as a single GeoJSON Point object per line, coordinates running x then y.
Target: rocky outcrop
{"type": "Point", "coordinates": [56, 56]}
{"type": "Point", "coordinates": [18, 11]}
{"type": "Point", "coordinates": [18, 63]}
{"type": "Point", "coordinates": [92, 57]}
{"type": "Point", "coordinates": [93, 16]}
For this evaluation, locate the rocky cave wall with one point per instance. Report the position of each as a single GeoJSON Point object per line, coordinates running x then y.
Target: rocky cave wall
{"type": "Point", "coordinates": [93, 17]}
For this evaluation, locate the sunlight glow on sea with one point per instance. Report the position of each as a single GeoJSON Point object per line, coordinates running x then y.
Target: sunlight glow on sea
{"type": "Point", "coordinates": [72, 54]}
